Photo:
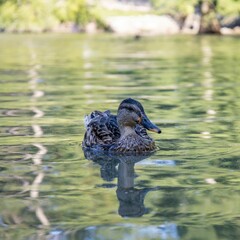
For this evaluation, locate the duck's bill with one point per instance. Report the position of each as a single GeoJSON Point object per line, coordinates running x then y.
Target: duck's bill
{"type": "Point", "coordinates": [149, 125]}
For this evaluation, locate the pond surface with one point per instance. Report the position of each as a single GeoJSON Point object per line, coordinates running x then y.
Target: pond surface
{"type": "Point", "coordinates": [190, 88]}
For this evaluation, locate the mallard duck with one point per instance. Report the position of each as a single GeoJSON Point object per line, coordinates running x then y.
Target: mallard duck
{"type": "Point", "coordinates": [124, 133]}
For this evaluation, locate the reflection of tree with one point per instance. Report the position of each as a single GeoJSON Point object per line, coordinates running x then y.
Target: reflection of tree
{"type": "Point", "coordinates": [38, 132]}
{"type": "Point", "coordinates": [169, 204]}
{"type": "Point", "coordinates": [131, 199]}
{"type": "Point", "coordinates": [17, 212]}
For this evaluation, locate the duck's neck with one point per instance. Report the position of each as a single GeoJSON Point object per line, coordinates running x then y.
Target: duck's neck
{"type": "Point", "coordinates": [127, 130]}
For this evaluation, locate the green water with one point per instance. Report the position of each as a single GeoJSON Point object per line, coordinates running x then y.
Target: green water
{"type": "Point", "coordinates": [190, 88]}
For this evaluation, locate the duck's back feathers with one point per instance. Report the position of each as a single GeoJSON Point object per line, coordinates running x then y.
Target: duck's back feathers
{"type": "Point", "coordinates": [101, 129]}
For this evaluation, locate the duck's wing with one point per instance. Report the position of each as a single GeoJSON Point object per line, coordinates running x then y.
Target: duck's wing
{"type": "Point", "coordinates": [101, 130]}
{"type": "Point", "coordinates": [112, 126]}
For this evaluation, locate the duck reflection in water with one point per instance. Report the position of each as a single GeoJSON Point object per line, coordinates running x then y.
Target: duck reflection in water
{"type": "Point", "coordinates": [131, 199]}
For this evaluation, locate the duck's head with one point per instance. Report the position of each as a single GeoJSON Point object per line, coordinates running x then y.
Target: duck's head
{"type": "Point", "coordinates": [131, 112]}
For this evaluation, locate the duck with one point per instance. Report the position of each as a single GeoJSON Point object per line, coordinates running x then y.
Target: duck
{"type": "Point", "coordinates": [121, 133]}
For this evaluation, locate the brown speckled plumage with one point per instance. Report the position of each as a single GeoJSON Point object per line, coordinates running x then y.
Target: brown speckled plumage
{"type": "Point", "coordinates": [134, 143]}
{"type": "Point", "coordinates": [101, 129]}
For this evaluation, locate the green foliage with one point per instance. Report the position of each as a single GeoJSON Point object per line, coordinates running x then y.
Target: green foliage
{"type": "Point", "coordinates": [174, 6]}
{"type": "Point", "coordinates": [73, 10]}
{"type": "Point", "coordinates": [32, 15]}
{"type": "Point", "coordinates": [229, 7]}
{"type": "Point", "coordinates": [184, 7]}
{"type": "Point", "coordinates": [42, 15]}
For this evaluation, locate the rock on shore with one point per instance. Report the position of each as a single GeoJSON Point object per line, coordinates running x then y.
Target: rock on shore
{"type": "Point", "coordinates": [143, 25]}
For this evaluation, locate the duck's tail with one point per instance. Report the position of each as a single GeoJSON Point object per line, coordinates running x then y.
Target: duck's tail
{"type": "Point", "coordinates": [88, 118]}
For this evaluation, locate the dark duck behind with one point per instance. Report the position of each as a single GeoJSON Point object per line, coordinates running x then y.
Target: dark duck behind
{"type": "Point", "coordinates": [124, 133]}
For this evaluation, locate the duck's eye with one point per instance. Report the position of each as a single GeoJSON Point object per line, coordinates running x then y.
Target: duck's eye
{"type": "Point", "coordinates": [130, 109]}
{"type": "Point", "coordinates": [139, 120]}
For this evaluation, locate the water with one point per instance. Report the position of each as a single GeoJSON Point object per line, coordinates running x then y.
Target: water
{"type": "Point", "coordinates": [190, 88]}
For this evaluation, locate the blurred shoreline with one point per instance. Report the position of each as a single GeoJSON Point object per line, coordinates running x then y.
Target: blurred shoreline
{"type": "Point", "coordinates": [122, 17]}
